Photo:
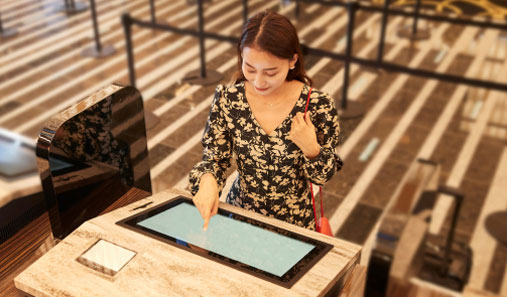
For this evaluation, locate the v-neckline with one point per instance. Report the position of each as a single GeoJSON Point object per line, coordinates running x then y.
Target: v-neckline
{"type": "Point", "coordinates": [282, 123]}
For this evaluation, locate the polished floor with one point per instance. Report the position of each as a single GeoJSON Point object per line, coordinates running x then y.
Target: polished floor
{"type": "Point", "coordinates": [464, 129]}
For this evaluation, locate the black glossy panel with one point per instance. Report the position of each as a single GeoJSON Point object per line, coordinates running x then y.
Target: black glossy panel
{"type": "Point", "coordinates": [86, 156]}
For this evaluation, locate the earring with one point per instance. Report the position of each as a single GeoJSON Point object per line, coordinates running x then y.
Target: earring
{"type": "Point", "coordinates": [292, 68]}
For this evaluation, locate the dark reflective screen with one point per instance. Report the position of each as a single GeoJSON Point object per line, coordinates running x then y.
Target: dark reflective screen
{"type": "Point", "coordinates": [93, 157]}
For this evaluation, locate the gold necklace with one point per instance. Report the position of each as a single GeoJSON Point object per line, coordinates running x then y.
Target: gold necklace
{"type": "Point", "coordinates": [271, 104]}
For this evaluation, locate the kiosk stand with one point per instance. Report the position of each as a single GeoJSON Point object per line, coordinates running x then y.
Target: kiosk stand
{"type": "Point", "coordinates": [97, 51]}
{"type": "Point", "coordinates": [202, 76]}
{"type": "Point", "coordinates": [413, 32]}
{"type": "Point", "coordinates": [104, 257]}
{"type": "Point", "coordinates": [349, 109]}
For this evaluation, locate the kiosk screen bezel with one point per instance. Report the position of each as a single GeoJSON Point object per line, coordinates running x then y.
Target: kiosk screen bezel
{"type": "Point", "coordinates": [287, 280]}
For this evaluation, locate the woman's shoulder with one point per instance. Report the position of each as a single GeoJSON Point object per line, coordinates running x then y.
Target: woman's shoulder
{"type": "Point", "coordinates": [323, 108]}
{"type": "Point", "coordinates": [229, 97]}
{"type": "Point", "coordinates": [319, 97]}
{"type": "Point", "coordinates": [230, 89]}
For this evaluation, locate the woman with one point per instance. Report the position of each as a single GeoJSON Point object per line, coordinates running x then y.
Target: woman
{"type": "Point", "coordinates": [261, 119]}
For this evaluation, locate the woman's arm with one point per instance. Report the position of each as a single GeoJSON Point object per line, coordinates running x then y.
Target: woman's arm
{"type": "Point", "coordinates": [206, 199]}
{"type": "Point", "coordinates": [208, 176]}
{"type": "Point", "coordinates": [321, 159]}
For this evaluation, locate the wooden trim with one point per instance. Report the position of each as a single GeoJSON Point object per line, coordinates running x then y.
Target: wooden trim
{"type": "Point", "coordinates": [22, 249]}
{"type": "Point", "coordinates": [35, 239]}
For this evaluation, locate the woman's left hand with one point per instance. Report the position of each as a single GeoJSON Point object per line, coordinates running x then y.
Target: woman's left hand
{"type": "Point", "coordinates": [302, 133]}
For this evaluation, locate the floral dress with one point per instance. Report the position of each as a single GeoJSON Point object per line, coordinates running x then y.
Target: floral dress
{"type": "Point", "coordinates": [274, 174]}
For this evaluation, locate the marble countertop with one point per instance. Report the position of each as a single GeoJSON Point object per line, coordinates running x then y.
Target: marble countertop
{"type": "Point", "coordinates": [160, 269]}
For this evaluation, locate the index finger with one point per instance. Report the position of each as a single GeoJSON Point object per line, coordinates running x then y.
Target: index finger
{"type": "Point", "coordinates": [206, 216]}
{"type": "Point", "coordinates": [199, 207]}
{"type": "Point", "coordinates": [206, 222]}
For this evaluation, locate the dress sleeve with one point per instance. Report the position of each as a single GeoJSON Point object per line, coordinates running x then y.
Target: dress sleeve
{"type": "Point", "coordinates": [320, 169]}
{"type": "Point", "coordinates": [217, 145]}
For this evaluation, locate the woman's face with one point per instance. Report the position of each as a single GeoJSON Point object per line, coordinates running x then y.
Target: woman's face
{"type": "Point", "coordinates": [264, 71]}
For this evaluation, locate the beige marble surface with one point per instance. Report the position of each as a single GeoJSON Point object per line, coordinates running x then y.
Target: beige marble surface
{"type": "Point", "coordinates": [159, 269]}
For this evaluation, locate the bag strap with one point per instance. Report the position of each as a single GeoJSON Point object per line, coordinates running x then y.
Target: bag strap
{"type": "Point", "coordinates": [311, 185]}
{"type": "Point", "coordinates": [313, 202]}
{"type": "Point", "coordinates": [308, 101]}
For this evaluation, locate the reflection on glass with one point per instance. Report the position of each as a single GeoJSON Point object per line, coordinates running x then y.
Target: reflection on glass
{"type": "Point", "coordinates": [94, 152]}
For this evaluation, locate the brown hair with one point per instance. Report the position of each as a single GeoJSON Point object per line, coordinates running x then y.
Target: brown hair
{"type": "Point", "coordinates": [275, 34]}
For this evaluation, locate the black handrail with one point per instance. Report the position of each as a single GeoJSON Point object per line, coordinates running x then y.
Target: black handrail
{"type": "Point", "coordinates": [98, 51]}
{"type": "Point", "coordinates": [378, 63]}
{"type": "Point", "coordinates": [245, 11]}
{"type": "Point", "coordinates": [416, 16]}
{"type": "Point", "coordinates": [430, 17]}
{"type": "Point", "coordinates": [127, 22]}
{"type": "Point", "coordinates": [202, 48]}
{"type": "Point", "coordinates": [351, 9]}
{"type": "Point", "coordinates": [96, 34]}
{"type": "Point", "coordinates": [385, 16]}
{"type": "Point", "coordinates": [152, 12]}
{"type": "Point", "coordinates": [181, 31]}
{"type": "Point", "coordinates": [413, 71]}
{"type": "Point", "coordinates": [458, 197]}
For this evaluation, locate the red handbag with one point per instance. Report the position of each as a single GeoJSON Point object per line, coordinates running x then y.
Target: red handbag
{"type": "Point", "coordinates": [322, 224]}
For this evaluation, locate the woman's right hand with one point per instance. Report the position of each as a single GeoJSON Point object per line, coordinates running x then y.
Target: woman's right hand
{"type": "Point", "coordinates": [206, 199]}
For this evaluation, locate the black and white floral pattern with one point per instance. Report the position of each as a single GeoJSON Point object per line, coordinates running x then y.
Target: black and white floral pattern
{"type": "Point", "coordinates": [274, 173]}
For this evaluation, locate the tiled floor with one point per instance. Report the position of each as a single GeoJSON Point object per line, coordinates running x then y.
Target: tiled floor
{"type": "Point", "coordinates": [464, 129]}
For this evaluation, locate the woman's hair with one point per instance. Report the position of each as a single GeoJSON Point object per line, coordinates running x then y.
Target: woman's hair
{"type": "Point", "coordinates": [275, 34]}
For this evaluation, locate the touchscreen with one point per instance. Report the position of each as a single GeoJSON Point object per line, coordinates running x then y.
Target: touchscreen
{"type": "Point", "coordinates": [266, 251]}
{"type": "Point", "coordinates": [237, 240]}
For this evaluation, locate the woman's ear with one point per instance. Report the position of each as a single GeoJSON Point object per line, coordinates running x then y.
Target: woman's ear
{"type": "Point", "coordinates": [293, 61]}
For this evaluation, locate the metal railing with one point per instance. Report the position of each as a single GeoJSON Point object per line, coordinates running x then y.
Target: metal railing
{"type": "Point", "coordinates": [347, 58]}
